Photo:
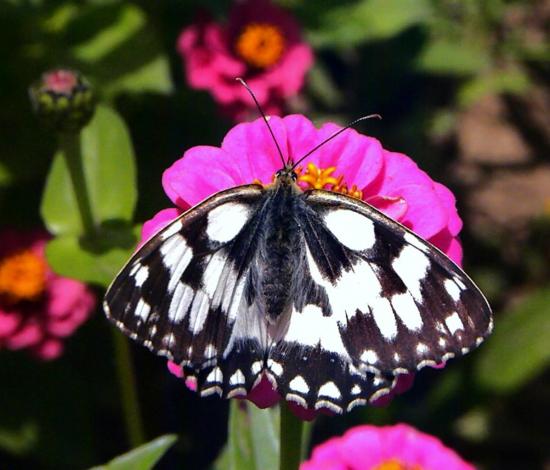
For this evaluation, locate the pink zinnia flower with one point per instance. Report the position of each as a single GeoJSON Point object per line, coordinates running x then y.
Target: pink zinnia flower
{"type": "Point", "coordinates": [260, 43]}
{"type": "Point", "coordinates": [399, 447]}
{"type": "Point", "coordinates": [38, 308]}
{"type": "Point", "coordinates": [351, 163]}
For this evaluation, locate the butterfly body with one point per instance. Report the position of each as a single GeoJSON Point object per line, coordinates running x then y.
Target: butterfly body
{"type": "Point", "coordinates": [321, 293]}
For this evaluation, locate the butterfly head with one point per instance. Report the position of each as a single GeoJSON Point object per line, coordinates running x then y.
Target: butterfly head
{"type": "Point", "coordinates": [287, 175]}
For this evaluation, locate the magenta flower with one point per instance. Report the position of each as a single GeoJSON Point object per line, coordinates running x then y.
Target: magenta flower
{"type": "Point", "coordinates": [260, 43]}
{"type": "Point", "coordinates": [351, 163]}
{"type": "Point", "coordinates": [38, 308]}
{"type": "Point", "coordinates": [399, 447]}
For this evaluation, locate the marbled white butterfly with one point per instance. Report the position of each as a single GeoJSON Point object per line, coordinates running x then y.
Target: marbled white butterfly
{"type": "Point", "coordinates": [322, 293]}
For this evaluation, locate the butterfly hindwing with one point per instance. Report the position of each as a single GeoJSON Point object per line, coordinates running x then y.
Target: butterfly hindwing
{"type": "Point", "coordinates": [183, 293]}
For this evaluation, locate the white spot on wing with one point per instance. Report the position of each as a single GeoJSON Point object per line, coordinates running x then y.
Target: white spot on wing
{"type": "Point", "coordinates": [298, 384]}
{"type": "Point", "coordinates": [172, 229]}
{"type": "Point", "coordinates": [330, 389]}
{"type": "Point", "coordinates": [384, 318]}
{"type": "Point", "coordinates": [414, 241]}
{"type": "Point", "coordinates": [453, 290]}
{"type": "Point", "coordinates": [310, 328]}
{"type": "Point", "coordinates": [210, 351]}
{"type": "Point", "coordinates": [454, 323]}
{"type": "Point", "coordinates": [351, 228]}
{"type": "Point", "coordinates": [140, 275]}
{"type": "Point", "coordinates": [237, 378]}
{"type": "Point", "coordinates": [411, 266]}
{"type": "Point", "coordinates": [421, 348]}
{"type": "Point", "coordinates": [275, 367]}
{"type": "Point", "coordinates": [356, 390]}
{"type": "Point", "coordinates": [198, 312]}
{"type": "Point", "coordinates": [213, 272]}
{"type": "Point", "coordinates": [215, 376]}
{"type": "Point", "coordinates": [406, 309]}
{"type": "Point", "coordinates": [142, 309]}
{"type": "Point", "coordinates": [181, 300]}
{"type": "Point", "coordinates": [356, 289]}
{"type": "Point", "coordinates": [226, 221]}
{"type": "Point", "coordinates": [369, 356]}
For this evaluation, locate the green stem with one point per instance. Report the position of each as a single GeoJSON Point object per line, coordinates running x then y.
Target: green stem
{"type": "Point", "coordinates": [70, 146]}
{"type": "Point", "coordinates": [128, 390]}
{"type": "Point", "coordinates": [291, 439]}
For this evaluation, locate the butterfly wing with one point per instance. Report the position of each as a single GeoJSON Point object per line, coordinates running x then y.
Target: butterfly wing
{"type": "Point", "coordinates": [378, 301]}
{"type": "Point", "coordinates": [182, 294]}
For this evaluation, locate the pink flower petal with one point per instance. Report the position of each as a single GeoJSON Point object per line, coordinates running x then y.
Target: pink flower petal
{"type": "Point", "coordinates": [251, 148]}
{"type": "Point", "coordinates": [158, 222]}
{"type": "Point", "coordinates": [201, 172]}
{"type": "Point", "coordinates": [392, 206]}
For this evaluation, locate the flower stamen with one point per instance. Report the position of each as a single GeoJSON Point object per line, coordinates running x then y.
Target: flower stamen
{"type": "Point", "coordinates": [395, 464]}
{"type": "Point", "coordinates": [22, 277]}
{"type": "Point", "coordinates": [317, 178]}
{"type": "Point", "coordinates": [260, 44]}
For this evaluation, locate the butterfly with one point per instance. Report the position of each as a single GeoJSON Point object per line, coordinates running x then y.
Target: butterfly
{"type": "Point", "coordinates": [323, 294]}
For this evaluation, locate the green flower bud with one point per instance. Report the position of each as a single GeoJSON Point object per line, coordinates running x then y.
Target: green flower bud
{"type": "Point", "coordinates": [63, 100]}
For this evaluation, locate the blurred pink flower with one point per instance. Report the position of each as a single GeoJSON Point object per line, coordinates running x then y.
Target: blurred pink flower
{"type": "Point", "coordinates": [351, 163]}
{"type": "Point", "coordinates": [260, 43]}
{"type": "Point", "coordinates": [38, 308]}
{"type": "Point", "coordinates": [399, 447]}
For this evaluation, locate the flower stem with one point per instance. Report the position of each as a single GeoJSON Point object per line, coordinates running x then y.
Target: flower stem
{"type": "Point", "coordinates": [291, 439]}
{"type": "Point", "coordinates": [128, 390]}
{"type": "Point", "coordinates": [71, 149]}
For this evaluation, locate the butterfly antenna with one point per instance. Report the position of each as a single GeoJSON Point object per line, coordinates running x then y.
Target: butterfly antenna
{"type": "Point", "coordinates": [336, 134]}
{"type": "Point", "coordinates": [243, 83]}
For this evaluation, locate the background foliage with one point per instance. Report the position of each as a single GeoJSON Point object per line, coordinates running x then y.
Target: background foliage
{"type": "Point", "coordinates": [463, 89]}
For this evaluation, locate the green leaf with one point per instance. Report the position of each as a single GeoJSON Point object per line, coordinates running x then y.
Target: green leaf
{"type": "Point", "coordinates": [109, 172]}
{"type": "Point", "coordinates": [513, 81]}
{"type": "Point", "coordinates": [143, 457]}
{"type": "Point", "coordinates": [19, 441]}
{"type": "Point", "coordinates": [445, 56]}
{"type": "Point", "coordinates": [96, 261]}
{"type": "Point", "coordinates": [125, 53]}
{"type": "Point", "coordinates": [368, 20]}
{"type": "Point", "coordinates": [518, 349]}
{"type": "Point", "coordinates": [253, 439]}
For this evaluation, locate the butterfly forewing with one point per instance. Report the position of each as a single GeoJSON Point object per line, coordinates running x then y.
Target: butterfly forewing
{"type": "Point", "coordinates": [325, 294]}
{"type": "Point", "coordinates": [182, 293]}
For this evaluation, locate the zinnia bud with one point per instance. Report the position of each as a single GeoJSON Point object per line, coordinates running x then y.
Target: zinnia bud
{"type": "Point", "coordinates": [63, 100]}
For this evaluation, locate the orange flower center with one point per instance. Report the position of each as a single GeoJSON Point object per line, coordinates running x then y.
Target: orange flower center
{"type": "Point", "coordinates": [317, 178]}
{"type": "Point", "coordinates": [395, 464]}
{"type": "Point", "coordinates": [260, 44]}
{"type": "Point", "coordinates": [22, 276]}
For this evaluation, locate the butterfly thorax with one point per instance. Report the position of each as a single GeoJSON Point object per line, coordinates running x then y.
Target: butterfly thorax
{"type": "Point", "coordinates": [281, 244]}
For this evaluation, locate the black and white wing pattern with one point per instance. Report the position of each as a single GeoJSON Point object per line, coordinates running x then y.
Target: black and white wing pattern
{"type": "Point", "coordinates": [322, 293]}
{"type": "Point", "coordinates": [378, 301]}
{"type": "Point", "coordinates": [182, 294]}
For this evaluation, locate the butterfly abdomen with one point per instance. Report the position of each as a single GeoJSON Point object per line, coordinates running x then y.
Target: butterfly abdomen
{"type": "Point", "coordinates": [281, 244]}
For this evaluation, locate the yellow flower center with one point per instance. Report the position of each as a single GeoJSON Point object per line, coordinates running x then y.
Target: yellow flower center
{"type": "Point", "coordinates": [260, 44]}
{"type": "Point", "coordinates": [394, 464]}
{"type": "Point", "coordinates": [22, 276]}
{"type": "Point", "coordinates": [317, 178]}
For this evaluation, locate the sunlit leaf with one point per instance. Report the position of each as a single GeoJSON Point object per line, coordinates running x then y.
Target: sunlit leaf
{"type": "Point", "coordinates": [95, 261]}
{"type": "Point", "coordinates": [518, 349]}
{"type": "Point", "coordinates": [445, 56]}
{"type": "Point", "coordinates": [513, 81]}
{"type": "Point", "coordinates": [366, 20]}
{"type": "Point", "coordinates": [109, 171]}
{"type": "Point", "coordinates": [143, 457]}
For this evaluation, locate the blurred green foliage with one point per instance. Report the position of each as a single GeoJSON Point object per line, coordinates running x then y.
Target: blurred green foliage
{"type": "Point", "coordinates": [420, 63]}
